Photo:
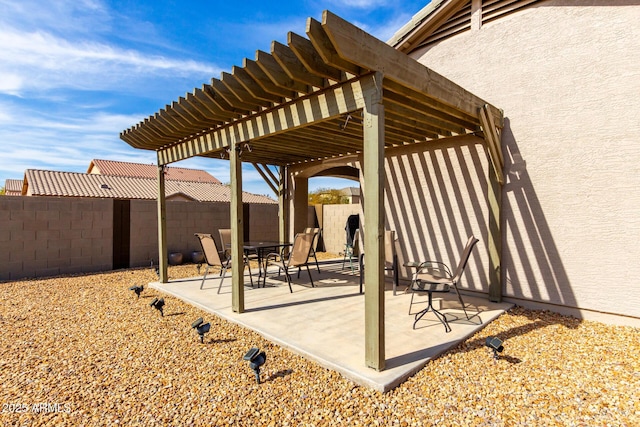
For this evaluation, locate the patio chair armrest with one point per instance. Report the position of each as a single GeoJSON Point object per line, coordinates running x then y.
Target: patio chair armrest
{"type": "Point", "coordinates": [438, 266]}
{"type": "Point", "coordinates": [273, 257]}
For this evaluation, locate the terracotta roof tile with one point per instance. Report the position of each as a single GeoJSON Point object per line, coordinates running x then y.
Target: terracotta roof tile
{"type": "Point", "coordinates": [71, 184]}
{"type": "Point", "coordinates": [140, 170]}
{"type": "Point", "coordinates": [13, 187]}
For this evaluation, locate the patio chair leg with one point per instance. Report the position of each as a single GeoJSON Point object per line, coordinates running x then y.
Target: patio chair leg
{"type": "Point", "coordinates": [206, 270]}
{"type": "Point", "coordinates": [461, 302]}
{"type": "Point", "coordinates": [288, 277]}
{"type": "Point", "coordinates": [250, 275]}
{"type": "Point", "coordinates": [441, 317]}
{"type": "Point", "coordinates": [224, 273]}
{"type": "Point", "coordinates": [226, 265]}
{"type": "Point", "coordinates": [310, 278]}
{"type": "Point", "coordinates": [316, 258]}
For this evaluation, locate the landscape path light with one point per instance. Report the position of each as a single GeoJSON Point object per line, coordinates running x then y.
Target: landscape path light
{"type": "Point", "coordinates": [137, 289]}
{"type": "Point", "coordinates": [495, 344]}
{"type": "Point", "coordinates": [256, 359]}
{"type": "Point", "coordinates": [158, 304]}
{"type": "Point", "coordinates": [201, 328]}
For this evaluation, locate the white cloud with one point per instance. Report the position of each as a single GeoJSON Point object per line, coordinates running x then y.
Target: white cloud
{"type": "Point", "coordinates": [41, 61]}
{"type": "Point", "coordinates": [10, 83]}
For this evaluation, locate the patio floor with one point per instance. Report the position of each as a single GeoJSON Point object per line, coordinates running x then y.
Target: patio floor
{"type": "Point", "coordinates": [326, 323]}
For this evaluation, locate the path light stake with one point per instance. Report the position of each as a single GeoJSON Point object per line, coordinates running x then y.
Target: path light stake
{"type": "Point", "coordinates": [158, 304]}
{"type": "Point", "coordinates": [201, 327]}
{"type": "Point", "coordinates": [156, 269]}
{"type": "Point", "coordinates": [495, 344]}
{"type": "Point", "coordinates": [256, 359]}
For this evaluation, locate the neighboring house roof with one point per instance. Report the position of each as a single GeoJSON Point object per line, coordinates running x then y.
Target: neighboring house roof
{"type": "Point", "coordinates": [71, 184]}
{"type": "Point", "coordinates": [351, 191]}
{"type": "Point", "coordinates": [13, 187]}
{"type": "Point", "coordinates": [140, 170]}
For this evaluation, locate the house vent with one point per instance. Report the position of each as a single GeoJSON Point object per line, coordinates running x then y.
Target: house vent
{"type": "Point", "coordinates": [461, 21]}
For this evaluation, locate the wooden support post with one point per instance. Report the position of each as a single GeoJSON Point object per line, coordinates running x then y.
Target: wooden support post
{"type": "Point", "coordinates": [300, 204]}
{"type": "Point", "coordinates": [374, 226]}
{"type": "Point", "coordinates": [237, 231]}
{"type": "Point", "coordinates": [162, 228]}
{"type": "Point", "coordinates": [494, 244]}
{"type": "Point", "coordinates": [494, 193]}
{"type": "Point", "coordinates": [283, 206]}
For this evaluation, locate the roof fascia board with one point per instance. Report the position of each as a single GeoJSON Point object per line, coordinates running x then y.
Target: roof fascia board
{"type": "Point", "coordinates": [424, 23]}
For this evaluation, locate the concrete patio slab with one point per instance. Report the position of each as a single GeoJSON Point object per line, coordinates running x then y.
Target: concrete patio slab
{"type": "Point", "coordinates": [326, 323]}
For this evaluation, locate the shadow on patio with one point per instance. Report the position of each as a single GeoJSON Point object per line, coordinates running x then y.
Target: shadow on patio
{"type": "Point", "coordinates": [326, 323]}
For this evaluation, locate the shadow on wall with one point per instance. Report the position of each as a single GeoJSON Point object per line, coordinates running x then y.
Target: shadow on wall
{"type": "Point", "coordinates": [532, 262]}
{"type": "Point", "coordinates": [436, 198]}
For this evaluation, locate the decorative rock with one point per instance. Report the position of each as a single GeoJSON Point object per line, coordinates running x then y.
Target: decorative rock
{"type": "Point", "coordinates": [92, 355]}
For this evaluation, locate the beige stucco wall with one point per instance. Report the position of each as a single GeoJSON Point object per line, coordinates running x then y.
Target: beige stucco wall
{"type": "Point", "coordinates": [568, 79]}
{"type": "Point", "coordinates": [435, 198]}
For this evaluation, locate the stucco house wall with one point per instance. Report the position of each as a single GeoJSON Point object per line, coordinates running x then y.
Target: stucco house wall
{"type": "Point", "coordinates": [567, 75]}
{"type": "Point", "coordinates": [435, 198]}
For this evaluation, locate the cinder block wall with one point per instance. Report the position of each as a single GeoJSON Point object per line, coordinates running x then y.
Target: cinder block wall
{"type": "Point", "coordinates": [334, 218]}
{"type": "Point", "coordinates": [263, 222]}
{"type": "Point", "coordinates": [144, 233]}
{"type": "Point", "coordinates": [186, 218]}
{"type": "Point", "coordinates": [50, 236]}
{"type": "Point", "coordinates": [183, 220]}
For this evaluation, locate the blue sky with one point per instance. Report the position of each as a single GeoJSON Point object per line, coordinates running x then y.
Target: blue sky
{"type": "Point", "coordinates": [75, 73]}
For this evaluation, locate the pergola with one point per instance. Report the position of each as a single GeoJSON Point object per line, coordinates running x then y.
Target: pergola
{"type": "Point", "coordinates": [340, 92]}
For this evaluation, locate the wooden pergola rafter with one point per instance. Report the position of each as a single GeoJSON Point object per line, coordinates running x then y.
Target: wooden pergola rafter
{"type": "Point", "coordinates": [337, 92]}
{"type": "Point", "coordinates": [310, 81]}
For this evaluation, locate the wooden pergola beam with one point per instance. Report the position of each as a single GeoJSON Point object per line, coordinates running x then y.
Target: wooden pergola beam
{"type": "Point", "coordinates": [357, 47]}
{"type": "Point", "coordinates": [308, 55]}
{"type": "Point", "coordinates": [252, 86]}
{"type": "Point", "coordinates": [265, 82]}
{"type": "Point", "coordinates": [319, 106]}
{"type": "Point", "coordinates": [294, 67]}
{"type": "Point", "coordinates": [277, 75]}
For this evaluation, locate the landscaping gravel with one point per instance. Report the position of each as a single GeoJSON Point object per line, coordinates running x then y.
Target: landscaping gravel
{"type": "Point", "coordinates": [85, 351]}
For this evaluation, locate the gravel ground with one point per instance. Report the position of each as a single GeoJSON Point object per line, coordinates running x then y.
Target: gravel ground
{"type": "Point", "coordinates": [84, 350]}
